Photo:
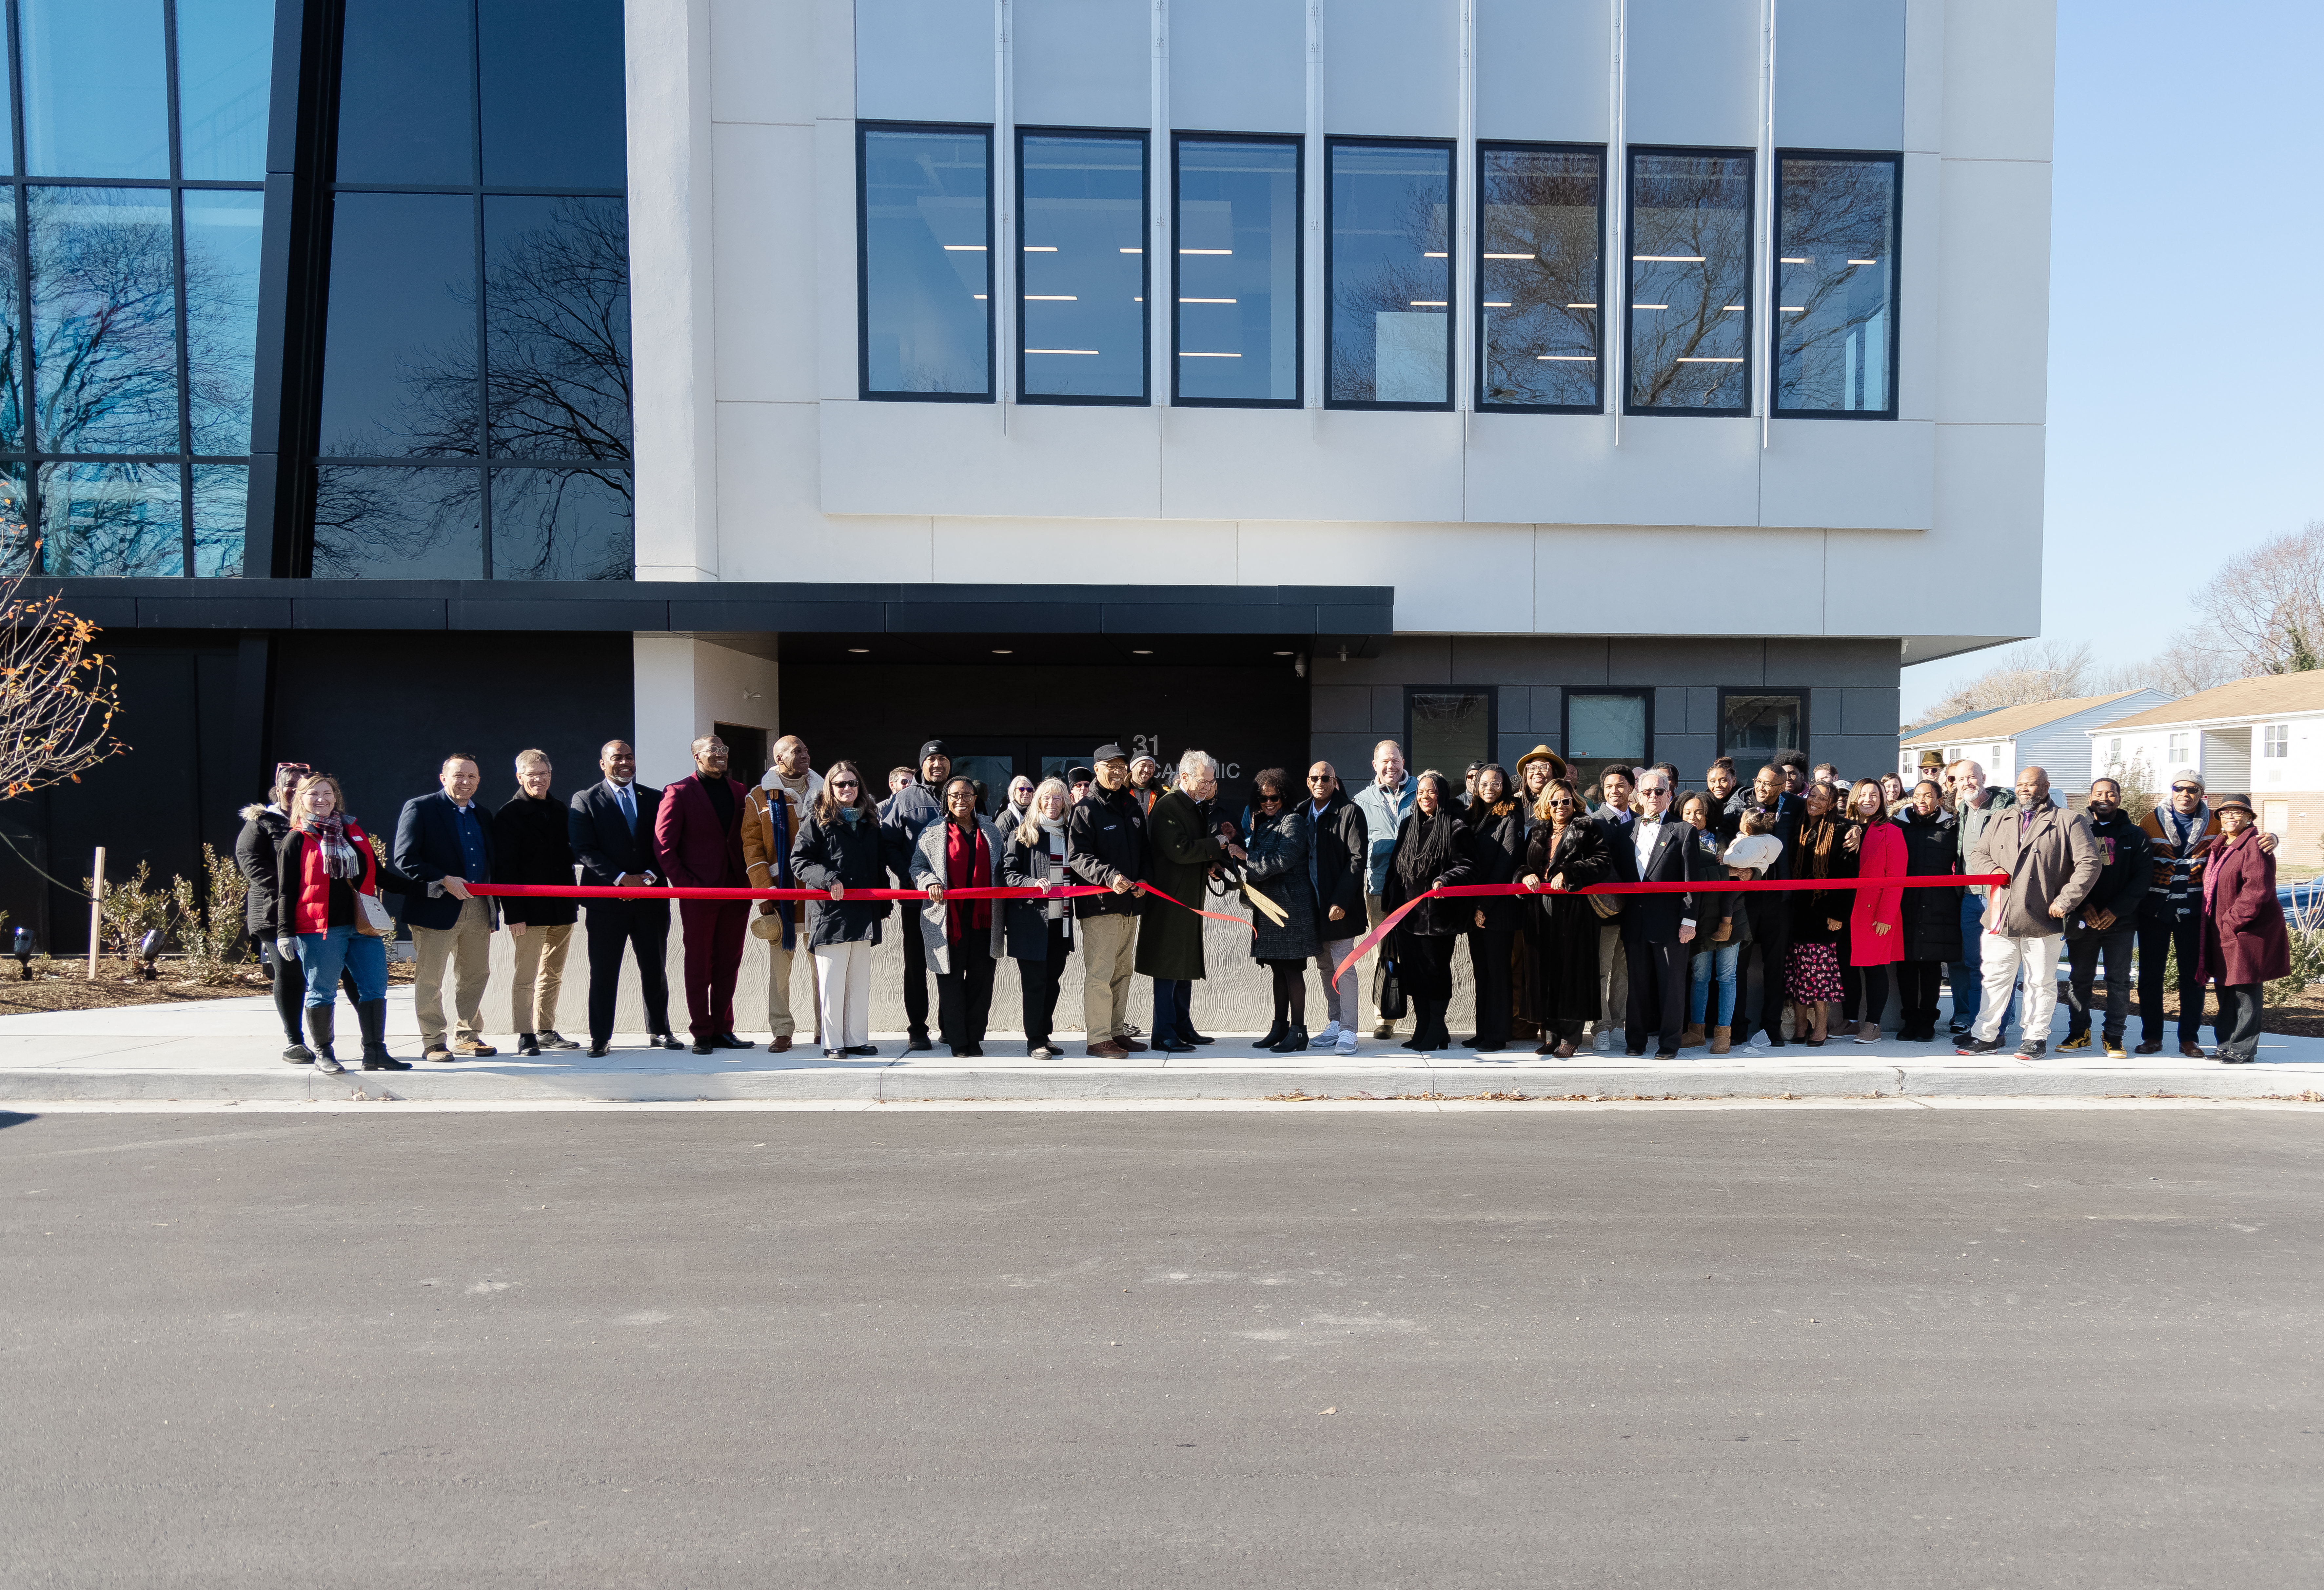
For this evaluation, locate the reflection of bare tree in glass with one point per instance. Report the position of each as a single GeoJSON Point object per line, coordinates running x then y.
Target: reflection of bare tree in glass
{"type": "Point", "coordinates": [1691, 227]}
{"type": "Point", "coordinates": [1542, 335]}
{"type": "Point", "coordinates": [1834, 212]}
{"type": "Point", "coordinates": [1389, 287]}
{"type": "Point", "coordinates": [557, 388]}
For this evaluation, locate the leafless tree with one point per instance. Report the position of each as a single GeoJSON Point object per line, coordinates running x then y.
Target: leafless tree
{"type": "Point", "coordinates": [2265, 608]}
{"type": "Point", "coordinates": [1540, 212]}
{"type": "Point", "coordinates": [1392, 287]}
{"type": "Point", "coordinates": [1834, 212]}
{"type": "Point", "coordinates": [57, 693]}
{"type": "Point", "coordinates": [1692, 226]}
{"type": "Point", "coordinates": [2036, 671]}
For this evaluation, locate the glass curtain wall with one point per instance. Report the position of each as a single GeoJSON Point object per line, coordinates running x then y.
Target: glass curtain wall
{"type": "Point", "coordinates": [476, 405]}
{"type": "Point", "coordinates": [1690, 308]}
{"type": "Point", "coordinates": [1080, 268]}
{"type": "Point", "coordinates": [1390, 343]}
{"type": "Point", "coordinates": [136, 149]}
{"type": "Point", "coordinates": [1236, 309]}
{"type": "Point", "coordinates": [1541, 244]}
{"type": "Point", "coordinates": [1836, 285]}
{"type": "Point", "coordinates": [926, 287]}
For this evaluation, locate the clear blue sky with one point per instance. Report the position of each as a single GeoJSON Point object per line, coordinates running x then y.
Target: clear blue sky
{"type": "Point", "coordinates": [2186, 389]}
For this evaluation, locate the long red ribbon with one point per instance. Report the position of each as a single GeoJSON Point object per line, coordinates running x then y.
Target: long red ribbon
{"type": "Point", "coordinates": [566, 891]}
{"type": "Point", "coordinates": [1946, 880]}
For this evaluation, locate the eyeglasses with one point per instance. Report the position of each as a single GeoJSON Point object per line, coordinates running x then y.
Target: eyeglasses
{"type": "Point", "coordinates": [1319, 779]}
{"type": "Point", "coordinates": [2186, 789]}
{"type": "Point", "coordinates": [1268, 797]}
{"type": "Point", "coordinates": [845, 784]}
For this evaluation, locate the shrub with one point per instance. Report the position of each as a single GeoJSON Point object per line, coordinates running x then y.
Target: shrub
{"type": "Point", "coordinates": [133, 907]}
{"type": "Point", "coordinates": [211, 936]}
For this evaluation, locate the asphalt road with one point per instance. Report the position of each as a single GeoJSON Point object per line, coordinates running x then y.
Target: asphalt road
{"type": "Point", "coordinates": [1715, 1348]}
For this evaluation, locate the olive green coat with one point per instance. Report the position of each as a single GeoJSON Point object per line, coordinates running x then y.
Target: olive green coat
{"type": "Point", "coordinates": [1179, 854]}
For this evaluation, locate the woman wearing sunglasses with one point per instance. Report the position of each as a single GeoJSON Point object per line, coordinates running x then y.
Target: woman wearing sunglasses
{"type": "Point", "coordinates": [1278, 869]}
{"type": "Point", "coordinates": [1566, 851]}
{"type": "Point", "coordinates": [842, 847]}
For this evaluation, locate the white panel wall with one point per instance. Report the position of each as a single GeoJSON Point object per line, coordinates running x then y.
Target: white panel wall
{"type": "Point", "coordinates": [924, 60]}
{"type": "Point", "coordinates": [1392, 68]}
{"type": "Point", "coordinates": [1693, 72]}
{"type": "Point", "coordinates": [1839, 74]}
{"type": "Point", "coordinates": [1544, 69]}
{"type": "Point", "coordinates": [1084, 63]}
{"type": "Point", "coordinates": [1867, 475]}
{"type": "Point", "coordinates": [765, 290]}
{"type": "Point", "coordinates": [2001, 69]}
{"type": "Point", "coordinates": [1238, 66]}
{"type": "Point", "coordinates": [1992, 270]}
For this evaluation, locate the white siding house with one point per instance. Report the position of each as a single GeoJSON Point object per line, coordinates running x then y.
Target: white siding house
{"type": "Point", "coordinates": [2260, 737]}
{"type": "Point", "coordinates": [2051, 735]}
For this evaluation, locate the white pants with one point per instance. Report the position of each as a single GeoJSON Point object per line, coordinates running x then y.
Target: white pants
{"type": "Point", "coordinates": [842, 992]}
{"type": "Point", "coordinates": [2002, 960]}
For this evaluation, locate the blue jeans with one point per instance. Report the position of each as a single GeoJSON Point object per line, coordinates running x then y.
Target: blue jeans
{"type": "Point", "coordinates": [1718, 961]}
{"type": "Point", "coordinates": [321, 955]}
{"type": "Point", "coordinates": [1968, 976]}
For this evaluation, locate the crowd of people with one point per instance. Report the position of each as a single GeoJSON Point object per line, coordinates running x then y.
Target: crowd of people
{"type": "Point", "coordinates": [1317, 869]}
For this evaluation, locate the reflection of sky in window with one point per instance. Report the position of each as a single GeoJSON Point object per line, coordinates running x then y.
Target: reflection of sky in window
{"type": "Point", "coordinates": [1081, 267]}
{"type": "Point", "coordinates": [104, 320]}
{"type": "Point", "coordinates": [111, 519]}
{"type": "Point", "coordinates": [926, 268]}
{"type": "Point", "coordinates": [1391, 274]}
{"type": "Point", "coordinates": [1835, 248]}
{"type": "Point", "coordinates": [1238, 261]}
{"type": "Point", "coordinates": [407, 97]}
{"type": "Point", "coordinates": [226, 53]}
{"type": "Point", "coordinates": [1689, 281]}
{"type": "Point", "coordinates": [95, 90]}
{"type": "Point", "coordinates": [1538, 277]}
{"type": "Point", "coordinates": [409, 260]}
{"type": "Point", "coordinates": [223, 229]}
{"type": "Point", "coordinates": [1605, 726]}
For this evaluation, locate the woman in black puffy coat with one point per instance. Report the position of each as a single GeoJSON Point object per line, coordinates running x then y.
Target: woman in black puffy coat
{"type": "Point", "coordinates": [1278, 869]}
{"type": "Point", "coordinates": [1431, 849]}
{"type": "Point", "coordinates": [843, 847]}
{"type": "Point", "coordinates": [1565, 852]}
{"type": "Point", "coordinates": [1496, 820]}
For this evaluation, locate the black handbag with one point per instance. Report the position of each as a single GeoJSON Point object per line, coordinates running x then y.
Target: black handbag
{"type": "Point", "coordinates": [1392, 1005]}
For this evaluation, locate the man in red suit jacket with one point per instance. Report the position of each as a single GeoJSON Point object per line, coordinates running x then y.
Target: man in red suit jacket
{"type": "Point", "coordinates": [698, 835]}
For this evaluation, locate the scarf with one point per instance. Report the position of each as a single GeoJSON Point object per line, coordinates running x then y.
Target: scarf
{"type": "Point", "coordinates": [1424, 859]}
{"type": "Point", "coordinates": [1052, 831]}
{"type": "Point", "coordinates": [339, 858]}
{"type": "Point", "coordinates": [968, 864]}
{"type": "Point", "coordinates": [1820, 846]}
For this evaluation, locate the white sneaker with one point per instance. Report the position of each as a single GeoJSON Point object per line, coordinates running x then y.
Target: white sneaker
{"type": "Point", "coordinates": [1325, 1039]}
{"type": "Point", "coordinates": [1604, 1042]}
{"type": "Point", "coordinates": [1346, 1043]}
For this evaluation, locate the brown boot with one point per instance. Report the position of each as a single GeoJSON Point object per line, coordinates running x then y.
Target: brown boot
{"type": "Point", "coordinates": [1720, 1039]}
{"type": "Point", "coordinates": [1692, 1037]}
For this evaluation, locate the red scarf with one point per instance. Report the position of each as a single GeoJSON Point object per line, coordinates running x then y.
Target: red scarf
{"type": "Point", "coordinates": [968, 865]}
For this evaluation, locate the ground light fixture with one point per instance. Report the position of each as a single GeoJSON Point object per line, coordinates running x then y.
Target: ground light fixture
{"type": "Point", "coordinates": [149, 951]}
{"type": "Point", "coordinates": [22, 951]}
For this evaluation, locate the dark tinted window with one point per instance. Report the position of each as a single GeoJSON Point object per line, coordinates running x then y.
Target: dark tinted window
{"type": "Point", "coordinates": [111, 519]}
{"type": "Point", "coordinates": [1537, 276]}
{"type": "Point", "coordinates": [550, 68]}
{"type": "Point", "coordinates": [560, 524]}
{"type": "Point", "coordinates": [399, 524]}
{"type": "Point", "coordinates": [407, 107]}
{"type": "Point", "coordinates": [400, 358]}
{"type": "Point", "coordinates": [1760, 723]}
{"type": "Point", "coordinates": [556, 306]}
{"type": "Point", "coordinates": [1605, 726]}
{"type": "Point", "coordinates": [1237, 269]}
{"type": "Point", "coordinates": [1081, 266]}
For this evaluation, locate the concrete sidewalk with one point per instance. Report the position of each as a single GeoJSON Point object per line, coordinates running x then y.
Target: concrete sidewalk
{"type": "Point", "coordinates": [229, 1049]}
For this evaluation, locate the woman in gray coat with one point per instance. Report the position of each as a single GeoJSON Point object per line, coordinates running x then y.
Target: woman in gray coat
{"type": "Point", "coordinates": [963, 937]}
{"type": "Point", "coordinates": [1278, 869]}
{"type": "Point", "coordinates": [1040, 932]}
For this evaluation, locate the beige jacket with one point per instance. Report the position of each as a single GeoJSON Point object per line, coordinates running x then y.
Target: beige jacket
{"type": "Point", "coordinates": [2056, 863]}
{"type": "Point", "coordinates": [758, 838]}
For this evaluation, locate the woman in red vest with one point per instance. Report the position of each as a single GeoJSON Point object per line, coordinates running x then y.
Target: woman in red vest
{"type": "Point", "coordinates": [327, 882]}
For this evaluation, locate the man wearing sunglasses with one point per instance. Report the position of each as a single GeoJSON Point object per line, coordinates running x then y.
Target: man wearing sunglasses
{"type": "Point", "coordinates": [1339, 851]}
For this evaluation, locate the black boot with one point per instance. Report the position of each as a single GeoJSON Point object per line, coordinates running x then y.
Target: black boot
{"type": "Point", "coordinates": [1294, 1041]}
{"type": "Point", "coordinates": [320, 1021]}
{"type": "Point", "coordinates": [371, 1016]}
{"type": "Point", "coordinates": [1273, 1038]}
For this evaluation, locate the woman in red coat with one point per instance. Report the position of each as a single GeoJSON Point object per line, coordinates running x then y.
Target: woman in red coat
{"type": "Point", "coordinates": [1875, 926]}
{"type": "Point", "coordinates": [2245, 944]}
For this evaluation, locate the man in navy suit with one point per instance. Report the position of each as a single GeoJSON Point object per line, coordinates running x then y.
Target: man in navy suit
{"type": "Point", "coordinates": [444, 840]}
{"type": "Point", "coordinates": [698, 835]}
{"type": "Point", "coordinates": [1656, 928]}
{"type": "Point", "coordinates": [612, 828]}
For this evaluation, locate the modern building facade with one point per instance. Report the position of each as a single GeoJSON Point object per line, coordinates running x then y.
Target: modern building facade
{"type": "Point", "coordinates": [1649, 378]}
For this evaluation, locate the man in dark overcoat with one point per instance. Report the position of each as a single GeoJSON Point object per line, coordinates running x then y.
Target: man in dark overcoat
{"type": "Point", "coordinates": [1181, 847]}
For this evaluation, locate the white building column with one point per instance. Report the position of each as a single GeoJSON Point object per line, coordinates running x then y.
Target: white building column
{"type": "Point", "coordinates": [672, 347]}
{"type": "Point", "coordinates": [681, 686]}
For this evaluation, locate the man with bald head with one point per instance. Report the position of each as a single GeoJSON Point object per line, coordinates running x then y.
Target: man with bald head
{"type": "Point", "coordinates": [2051, 860]}
{"type": "Point", "coordinates": [698, 836]}
{"type": "Point", "coordinates": [771, 819]}
{"type": "Point", "coordinates": [611, 827]}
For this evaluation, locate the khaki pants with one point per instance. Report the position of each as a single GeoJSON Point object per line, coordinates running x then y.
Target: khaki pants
{"type": "Point", "coordinates": [466, 945]}
{"type": "Point", "coordinates": [1613, 978]}
{"type": "Point", "coordinates": [780, 1023]}
{"type": "Point", "coordinates": [539, 974]}
{"type": "Point", "coordinates": [1109, 947]}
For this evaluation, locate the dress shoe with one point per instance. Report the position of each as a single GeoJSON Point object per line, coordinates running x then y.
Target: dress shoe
{"type": "Point", "coordinates": [974, 1051]}
{"type": "Point", "coordinates": [2190, 1050]}
{"type": "Point", "coordinates": [526, 1044]}
{"type": "Point", "coordinates": [781, 1045]}
{"type": "Point", "coordinates": [729, 1041]}
{"type": "Point", "coordinates": [474, 1049]}
{"type": "Point", "coordinates": [918, 1041]}
{"type": "Point", "coordinates": [705, 1048]}
{"type": "Point", "coordinates": [666, 1041]}
{"type": "Point", "coordinates": [1108, 1051]}
{"type": "Point", "coordinates": [1131, 1045]}
{"type": "Point", "coordinates": [385, 1062]}
{"type": "Point", "coordinates": [2150, 1046]}
{"type": "Point", "coordinates": [1194, 1037]}
{"type": "Point", "coordinates": [1172, 1046]}
{"type": "Point", "coordinates": [597, 1051]}
{"type": "Point", "coordinates": [861, 1049]}
{"type": "Point", "coordinates": [550, 1038]}
{"type": "Point", "coordinates": [1666, 1054]}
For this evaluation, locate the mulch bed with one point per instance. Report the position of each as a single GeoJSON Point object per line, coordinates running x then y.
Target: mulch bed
{"type": "Point", "coordinates": [65, 985]}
